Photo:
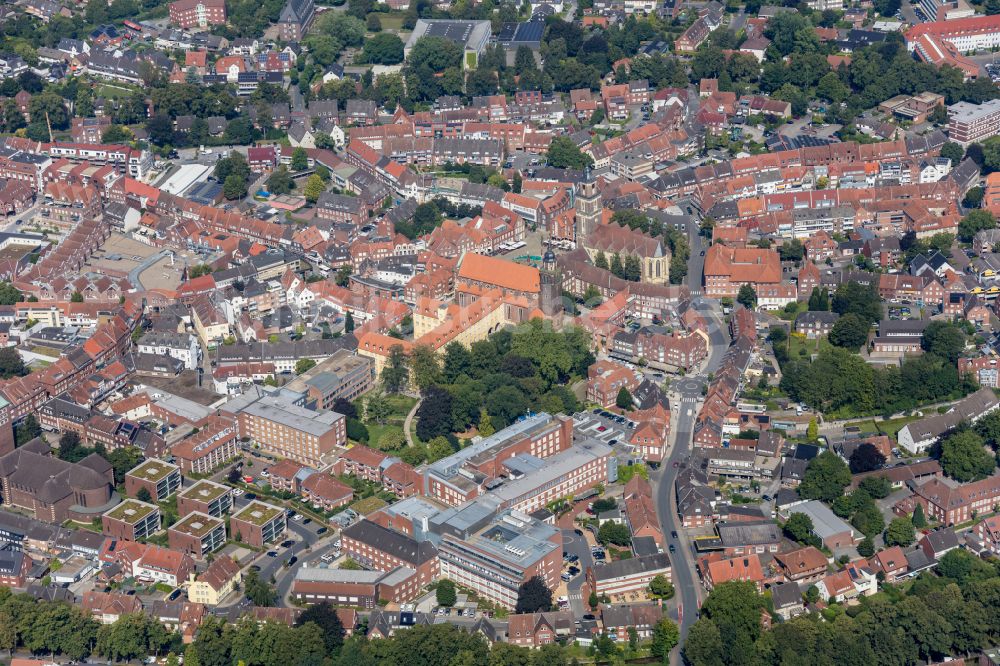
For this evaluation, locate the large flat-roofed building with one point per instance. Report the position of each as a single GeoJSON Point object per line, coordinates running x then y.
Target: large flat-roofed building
{"type": "Point", "coordinates": [258, 524]}
{"type": "Point", "coordinates": [160, 479]}
{"type": "Point", "coordinates": [345, 587]}
{"type": "Point", "coordinates": [971, 123]}
{"type": "Point", "coordinates": [197, 534]}
{"type": "Point", "coordinates": [213, 445]}
{"type": "Point", "coordinates": [471, 471]}
{"type": "Point", "coordinates": [280, 426]}
{"type": "Point", "coordinates": [947, 42]}
{"type": "Point", "coordinates": [495, 559]}
{"type": "Point", "coordinates": [532, 482]}
{"type": "Point", "coordinates": [131, 520]}
{"type": "Point", "coordinates": [344, 375]}
{"type": "Point", "coordinates": [471, 36]}
{"type": "Point", "coordinates": [208, 497]}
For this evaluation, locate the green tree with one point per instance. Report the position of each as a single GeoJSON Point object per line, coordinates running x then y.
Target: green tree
{"type": "Point", "coordinates": [945, 339]}
{"type": "Point", "coordinates": [300, 159]}
{"type": "Point", "coordinates": [964, 457]}
{"type": "Point", "coordinates": [812, 430]}
{"type": "Point", "coordinates": [563, 153]}
{"type": "Point", "coordinates": [866, 548]}
{"type": "Point", "coordinates": [314, 188]}
{"type": "Point", "coordinates": [260, 592]}
{"type": "Point", "coordinates": [485, 427]}
{"type": "Point", "coordinates": [143, 495]}
{"type": "Point", "coordinates": [747, 297]}
{"type": "Point", "coordinates": [976, 221]}
{"type": "Point", "coordinates": [280, 181]}
{"type": "Point", "coordinates": [900, 533]}
{"type": "Point", "coordinates": [624, 399]}
{"type": "Point", "coordinates": [868, 519]}
{"type": "Point", "coordinates": [438, 448]}
{"type": "Point", "coordinates": [324, 616]}
{"type": "Point", "coordinates": [234, 187]}
{"type": "Point", "coordinates": [849, 332]}
{"type": "Point", "coordinates": [434, 415]}
{"type": "Point", "coordinates": [385, 48]}
{"type": "Point", "coordinates": [614, 533]}
{"type": "Point", "coordinates": [866, 458]}
{"type": "Point", "coordinates": [825, 478]}
{"type": "Point", "coordinates": [76, 297]}
{"type": "Point", "coordinates": [533, 596]}
{"type": "Point", "coordinates": [304, 365]}
{"type": "Point", "coordinates": [864, 301]}
{"type": "Point", "coordinates": [425, 366]}
{"type": "Point", "coordinates": [666, 636]}
{"type": "Point", "coordinates": [392, 439]}
{"type": "Point", "coordinates": [918, 519]}
{"type": "Point", "coordinates": [661, 588]}
{"type": "Point", "coordinates": [601, 260]}
{"type": "Point", "coordinates": [396, 373]}
{"type": "Point", "coordinates": [445, 593]}
{"type": "Point", "coordinates": [819, 300]}
{"type": "Point", "coordinates": [799, 527]}
{"type": "Point", "coordinates": [953, 152]}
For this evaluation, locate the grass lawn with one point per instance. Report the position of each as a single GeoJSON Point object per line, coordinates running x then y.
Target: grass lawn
{"type": "Point", "coordinates": [890, 427]}
{"type": "Point", "coordinates": [391, 21]}
{"type": "Point", "coordinates": [112, 91]}
{"type": "Point", "coordinates": [369, 505]}
{"type": "Point", "coordinates": [796, 343]}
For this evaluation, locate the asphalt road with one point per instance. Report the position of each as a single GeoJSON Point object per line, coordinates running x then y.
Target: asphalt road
{"type": "Point", "coordinates": [575, 544]}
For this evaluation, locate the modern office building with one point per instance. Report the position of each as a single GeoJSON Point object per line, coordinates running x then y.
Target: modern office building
{"type": "Point", "coordinates": [495, 559]}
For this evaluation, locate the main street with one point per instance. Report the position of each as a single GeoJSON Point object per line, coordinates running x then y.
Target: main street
{"type": "Point", "coordinates": [686, 394]}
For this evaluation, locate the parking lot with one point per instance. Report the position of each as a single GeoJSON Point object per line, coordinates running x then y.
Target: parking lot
{"type": "Point", "coordinates": [603, 426]}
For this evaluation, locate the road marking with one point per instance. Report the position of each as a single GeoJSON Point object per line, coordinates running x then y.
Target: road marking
{"type": "Point", "coordinates": [690, 412]}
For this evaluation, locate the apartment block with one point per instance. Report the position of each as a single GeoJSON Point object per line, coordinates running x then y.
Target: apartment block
{"type": "Point", "coordinates": [208, 497]}
{"type": "Point", "coordinates": [288, 430]}
{"type": "Point", "coordinates": [972, 123]}
{"type": "Point", "coordinates": [160, 479]}
{"type": "Point", "coordinates": [605, 379]}
{"type": "Point", "coordinates": [131, 520]}
{"type": "Point", "coordinates": [215, 444]}
{"type": "Point", "coordinates": [258, 524]}
{"type": "Point", "coordinates": [345, 587]}
{"type": "Point", "coordinates": [197, 13]}
{"type": "Point", "coordinates": [344, 375]}
{"type": "Point", "coordinates": [197, 534]}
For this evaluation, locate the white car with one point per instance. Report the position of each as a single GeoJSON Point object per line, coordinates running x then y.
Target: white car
{"type": "Point", "coordinates": [265, 473]}
{"type": "Point", "coordinates": [297, 517]}
{"type": "Point", "coordinates": [237, 492]}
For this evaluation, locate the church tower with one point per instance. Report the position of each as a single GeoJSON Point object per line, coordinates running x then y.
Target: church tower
{"type": "Point", "coordinates": [588, 207]}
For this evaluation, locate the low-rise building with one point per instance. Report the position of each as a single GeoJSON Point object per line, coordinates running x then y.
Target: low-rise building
{"type": "Point", "coordinates": [159, 478]}
{"type": "Point", "coordinates": [221, 577]}
{"type": "Point", "coordinates": [131, 520]}
{"type": "Point", "coordinates": [208, 497]}
{"type": "Point", "coordinates": [631, 575]}
{"type": "Point", "coordinates": [197, 534]}
{"type": "Point", "coordinates": [258, 524]}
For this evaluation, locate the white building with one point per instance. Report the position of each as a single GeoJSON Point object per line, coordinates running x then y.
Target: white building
{"type": "Point", "coordinates": [182, 346]}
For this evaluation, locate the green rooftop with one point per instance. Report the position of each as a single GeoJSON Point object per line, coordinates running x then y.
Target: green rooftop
{"type": "Point", "coordinates": [153, 470]}
{"type": "Point", "coordinates": [196, 524]}
{"type": "Point", "coordinates": [258, 513]}
{"type": "Point", "coordinates": [131, 511]}
{"type": "Point", "coordinates": [205, 491]}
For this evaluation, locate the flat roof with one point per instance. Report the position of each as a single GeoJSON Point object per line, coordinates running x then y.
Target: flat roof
{"type": "Point", "coordinates": [197, 524]}
{"type": "Point", "coordinates": [205, 491]}
{"type": "Point", "coordinates": [258, 513]}
{"type": "Point", "coordinates": [131, 511]}
{"type": "Point", "coordinates": [153, 470]}
{"type": "Point", "coordinates": [293, 416]}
